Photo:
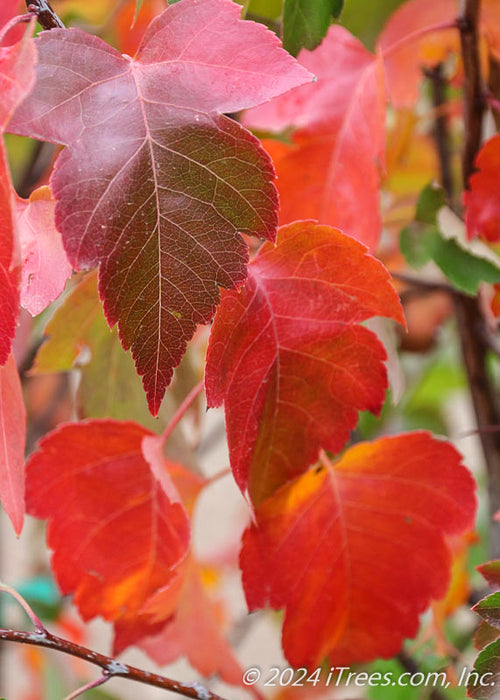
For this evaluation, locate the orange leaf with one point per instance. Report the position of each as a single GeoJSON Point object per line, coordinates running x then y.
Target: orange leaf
{"type": "Point", "coordinates": [119, 540]}
{"type": "Point", "coordinates": [130, 28]}
{"type": "Point", "coordinates": [195, 631]}
{"type": "Point", "coordinates": [288, 355]}
{"type": "Point", "coordinates": [417, 36]}
{"type": "Point", "coordinates": [356, 550]}
{"type": "Point", "coordinates": [409, 43]}
{"type": "Point", "coordinates": [331, 170]}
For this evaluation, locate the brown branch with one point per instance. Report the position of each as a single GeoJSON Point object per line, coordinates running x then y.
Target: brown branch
{"type": "Point", "coordinates": [468, 24]}
{"type": "Point", "coordinates": [494, 88]}
{"type": "Point", "coordinates": [423, 285]}
{"type": "Point", "coordinates": [111, 667]}
{"type": "Point", "coordinates": [471, 321]}
{"type": "Point", "coordinates": [45, 14]}
{"type": "Point", "coordinates": [441, 133]}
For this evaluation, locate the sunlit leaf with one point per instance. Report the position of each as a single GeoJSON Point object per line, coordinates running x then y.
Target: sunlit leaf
{"type": "Point", "coordinates": [356, 550]}
{"type": "Point", "coordinates": [289, 358]}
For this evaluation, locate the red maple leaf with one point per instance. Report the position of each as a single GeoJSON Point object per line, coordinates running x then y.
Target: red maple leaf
{"type": "Point", "coordinates": [481, 201]}
{"type": "Point", "coordinates": [103, 499]}
{"type": "Point", "coordinates": [288, 356]}
{"type": "Point", "coordinates": [356, 550]}
{"type": "Point", "coordinates": [156, 184]}
{"type": "Point", "coordinates": [330, 171]}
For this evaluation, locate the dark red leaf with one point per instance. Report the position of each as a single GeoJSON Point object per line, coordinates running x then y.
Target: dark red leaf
{"type": "Point", "coordinates": [156, 185]}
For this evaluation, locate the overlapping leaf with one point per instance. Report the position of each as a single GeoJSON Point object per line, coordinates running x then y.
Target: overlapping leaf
{"type": "Point", "coordinates": [356, 550]}
{"type": "Point", "coordinates": [305, 22]}
{"type": "Point", "coordinates": [17, 65]}
{"type": "Point", "coordinates": [195, 631]}
{"type": "Point", "coordinates": [156, 185]}
{"type": "Point", "coordinates": [437, 234]}
{"type": "Point", "coordinates": [78, 337]}
{"type": "Point", "coordinates": [408, 43]}
{"type": "Point", "coordinates": [330, 171]}
{"type": "Point", "coordinates": [45, 265]}
{"type": "Point", "coordinates": [12, 444]}
{"type": "Point", "coordinates": [93, 483]}
{"type": "Point", "coordinates": [481, 200]}
{"type": "Point", "coordinates": [423, 33]}
{"type": "Point", "coordinates": [131, 22]}
{"type": "Point", "coordinates": [8, 10]}
{"type": "Point", "coordinates": [484, 681]}
{"type": "Point", "coordinates": [289, 358]}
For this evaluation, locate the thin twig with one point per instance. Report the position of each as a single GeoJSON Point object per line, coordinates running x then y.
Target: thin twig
{"type": "Point", "coordinates": [468, 24]}
{"type": "Point", "coordinates": [45, 14]}
{"type": "Point", "coordinates": [478, 431]}
{"type": "Point", "coordinates": [88, 686]}
{"type": "Point", "coordinates": [37, 623]}
{"type": "Point", "coordinates": [111, 667]}
{"type": "Point", "coordinates": [494, 88]}
{"type": "Point", "coordinates": [424, 285]}
{"type": "Point", "coordinates": [471, 321]}
{"type": "Point", "coordinates": [441, 132]}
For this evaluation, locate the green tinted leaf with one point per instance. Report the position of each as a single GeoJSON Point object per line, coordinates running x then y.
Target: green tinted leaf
{"type": "Point", "coordinates": [465, 270]}
{"type": "Point", "coordinates": [418, 240]}
{"type": "Point", "coordinates": [270, 9]}
{"type": "Point", "coordinates": [485, 634]}
{"type": "Point", "coordinates": [305, 22]}
{"type": "Point", "coordinates": [441, 378]}
{"type": "Point", "coordinates": [484, 680]}
{"type": "Point", "coordinates": [491, 572]}
{"type": "Point", "coordinates": [431, 199]}
{"type": "Point", "coordinates": [441, 239]}
{"type": "Point", "coordinates": [489, 609]}
{"type": "Point", "coordinates": [417, 244]}
{"type": "Point", "coordinates": [79, 337]}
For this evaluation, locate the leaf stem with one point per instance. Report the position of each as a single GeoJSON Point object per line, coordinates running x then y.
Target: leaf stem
{"type": "Point", "coordinates": [45, 14]}
{"type": "Point", "coordinates": [179, 414]}
{"type": "Point", "coordinates": [37, 623]}
{"type": "Point", "coordinates": [88, 686]}
{"type": "Point", "coordinates": [19, 19]}
{"type": "Point", "coordinates": [111, 667]}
